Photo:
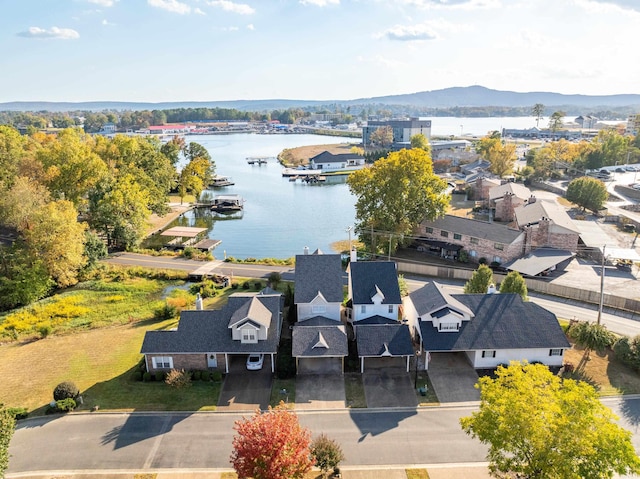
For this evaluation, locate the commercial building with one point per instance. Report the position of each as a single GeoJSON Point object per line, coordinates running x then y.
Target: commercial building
{"type": "Point", "coordinates": [403, 130]}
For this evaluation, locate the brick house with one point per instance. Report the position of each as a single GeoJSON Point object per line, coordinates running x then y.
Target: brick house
{"type": "Point", "coordinates": [504, 199]}
{"type": "Point", "coordinates": [546, 224]}
{"type": "Point", "coordinates": [448, 235]}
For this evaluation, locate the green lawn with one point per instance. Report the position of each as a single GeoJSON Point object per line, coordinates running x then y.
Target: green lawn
{"type": "Point", "coordinates": [354, 391]}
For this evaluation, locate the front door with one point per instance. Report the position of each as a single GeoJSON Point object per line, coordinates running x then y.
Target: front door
{"type": "Point", "coordinates": [212, 361]}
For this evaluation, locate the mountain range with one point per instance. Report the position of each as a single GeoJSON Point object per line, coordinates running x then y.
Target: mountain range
{"type": "Point", "coordinates": [471, 96]}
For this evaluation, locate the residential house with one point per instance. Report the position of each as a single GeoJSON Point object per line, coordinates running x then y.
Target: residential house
{"type": "Point", "coordinates": [505, 198]}
{"type": "Point", "coordinates": [373, 308]}
{"type": "Point", "coordinates": [480, 184]}
{"type": "Point", "coordinates": [328, 162]}
{"type": "Point", "coordinates": [489, 329]}
{"type": "Point", "coordinates": [249, 323]}
{"type": "Point", "coordinates": [448, 235]}
{"type": "Point", "coordinates": [546, 224]}
{"type": "Point", "coordinates": [319, 338]}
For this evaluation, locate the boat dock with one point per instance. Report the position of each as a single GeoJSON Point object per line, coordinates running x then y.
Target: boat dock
{"type": "Point", "coordinates": [299, 172]}
{"type": "Point", "coordinates": [220, 181]}
{"type": "Point", "coordinates": [184, 236]}
{"type": "Point", "coordinates": [259, 160]}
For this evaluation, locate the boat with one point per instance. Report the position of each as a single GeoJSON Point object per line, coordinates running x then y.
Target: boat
{"type": "Point", "coordinates": [221, 181]}
{"type": "Point", "coordinates": [227, 203]}
{"type": "Point", "coordinates": [259, 160]}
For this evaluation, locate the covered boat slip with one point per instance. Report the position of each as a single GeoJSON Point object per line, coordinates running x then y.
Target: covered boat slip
{"type": "Point", "coordinates": [184, 236]}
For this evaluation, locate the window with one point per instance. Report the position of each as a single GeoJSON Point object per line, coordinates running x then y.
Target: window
{"type": "Point", "coordinates": [473, 240]}
{"type": "Point", "coordinates": [488, 354]}
{"type": "Point", "coordinates": [428, 229]}
{"type": "Point", "coordinates": [473, 253]}
{"type": "Point", "coordinates": [162, 362]}
{"type": "Point", "coordinates": [457, 236]}
{"type": "Point", "coordinates": [444, 234]}
{"type": "Point", "coordinates": [555, 352]}
{"type": "Point", "coordinates": [249, 335]}
{"type": "Point", "coordinates": [448, 327]}
{"type": "Point", "coordinates": [391, 308]}
{"type": "Point", "coordinates": [497, 259]}
{"type": "Point", "coordinates": [318, 308]}
{"type": "Point", "coordinates": [363, 309]}
{"type": "Point", "coordinates": [499, 246]}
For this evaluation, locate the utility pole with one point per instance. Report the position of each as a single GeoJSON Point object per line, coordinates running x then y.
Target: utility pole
{"type": "Point", "coordinates": [601, 285]}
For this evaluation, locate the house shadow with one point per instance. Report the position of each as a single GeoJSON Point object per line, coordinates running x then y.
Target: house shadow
{"type": "Point", "coordinates": [371, 423]}
{"type": "Point", "coordinates": [630, 410]}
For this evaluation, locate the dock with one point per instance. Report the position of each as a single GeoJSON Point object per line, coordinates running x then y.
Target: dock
{"type": "Point", "coordinates": [299, 172]}
{"type": "Point", "coordinates": [259, 160]}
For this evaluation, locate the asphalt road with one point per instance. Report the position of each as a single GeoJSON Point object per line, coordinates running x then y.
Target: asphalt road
{"type": "Point", "coordinates": [203, 440]}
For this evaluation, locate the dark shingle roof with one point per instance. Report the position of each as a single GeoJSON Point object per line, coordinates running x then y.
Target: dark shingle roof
{"type": "Point", "coordinates": [432, 297]}
{"type": "Point", "coordinates": [376, 340]}
{"type": "Point", "coordinates": [376, 320]}
{"type": "Point", "coordinates": [318, 273]}
{"type": "Point", "coordinates": [366, 276]}
{"type": "Point", "coordinates": [502, 321]}
{"type": "Point", "coordinates": [327, 157]}
{"type": "Point", "coordinates": [319, 341]}
{"type": "Point", "coordinates": [478, 229]}
{"type": "Point", "coordinates": [317, 321]}
{"type": "Point", "coordinates": [207, 331]}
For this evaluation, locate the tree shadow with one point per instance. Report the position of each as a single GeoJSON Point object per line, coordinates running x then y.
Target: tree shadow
{"type": "Point", "coordinates": [630, 409]}
{"type": "Point", "coordinates": [375, 423]}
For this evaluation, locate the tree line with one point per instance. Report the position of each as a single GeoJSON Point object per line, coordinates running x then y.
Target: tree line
{"type": "Point", "coordinates": [66, 198]}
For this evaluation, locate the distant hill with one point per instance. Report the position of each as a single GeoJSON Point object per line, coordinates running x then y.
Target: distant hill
{"type": "Point", "coordinates": [471, 96]}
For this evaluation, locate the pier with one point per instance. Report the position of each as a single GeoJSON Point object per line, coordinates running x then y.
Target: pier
{"type": "Point", "coordinates": [259, 160]}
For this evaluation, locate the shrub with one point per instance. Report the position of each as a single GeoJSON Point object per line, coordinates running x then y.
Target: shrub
{"type": "Point", "coordinates": [65, 390]}
{"type": "Point", "coordinates": [147, 377]}
{"type": "Point", "coordinates": [137, 376]}
{"type": "Point", "coordinates": [18, 412]}
{"type": "Point", "coordinates": [167, 311]}
{"type": "Point", "coordinates": [205, 376]}
{"type": "Point", "coordinates": [234, 285]}
{"type": "Point", "coordinates": [159, 376]}
{"type": "Point", "coordinates": [246, 285]}
{"type": "Point", "coordinates": [178, 379]}
{"type": "Point", "coordinates": [327, 453]}
{"type": "Point", "coordinates": [216, 376]}
{"type": "Point", "coordinates": [258, 285]}
{"type": "Point", "coordinates": [66, 405]}
{"type": "Point", "coordinates": [196, 375]}
{"type": "Point", "coordinates": [44, 330]}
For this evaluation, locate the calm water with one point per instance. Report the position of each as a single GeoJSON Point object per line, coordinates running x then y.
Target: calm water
{"type": "Point", "coordinates": [280, 217]}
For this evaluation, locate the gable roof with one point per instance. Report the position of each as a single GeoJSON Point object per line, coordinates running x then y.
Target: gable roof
{"type": "Point", "coordinates": [502, 321]}
{"type": "Point", "coordinates": [252, 310]}
{"type": "Point", "coordinates": [318, 273]}
{"type": "Point", "coordinates": [319, 341]}
{"type": "Point", "coordinates": [477, 229]}
{"type": "Point", "coordinates": [367, 277]}
{"type": "Point", "coordinates": [516, 189]}
{"type": "Point", "coordinates": [375, 340]}
{"type": "Point", "coordinates": [432, 297]}
{"type": "Point", "coordinates": [533, 212]}
{"type": "Point", "coordinates": [207, 331]}
{"type": "Point", "coordinates": [327, 157]}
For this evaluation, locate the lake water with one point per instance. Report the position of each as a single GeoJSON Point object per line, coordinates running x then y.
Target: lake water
{"type": "Point", "coordinates": [281, 217]}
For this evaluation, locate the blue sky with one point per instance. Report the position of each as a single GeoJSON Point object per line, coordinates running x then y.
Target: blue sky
{"type": "Point", "coordinates": [176, 50]}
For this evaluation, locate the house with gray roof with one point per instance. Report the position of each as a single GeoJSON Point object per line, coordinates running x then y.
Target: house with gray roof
{"type": "Point", "coordinates": [319, 338]}
{"type": "Point", "coordinates": [373, 308]}
{"type": "Point", "coordinates": [249, 323]}
{"type": "Point", "coordinates": [546, 224]}
{"type": "Point", "coordinates": [489, 329]}
{"type": "Point", "coordinates": [505, 198]}
{"type": "Point", "coordinates": [328, 162]}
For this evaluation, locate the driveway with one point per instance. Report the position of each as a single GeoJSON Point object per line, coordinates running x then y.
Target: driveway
{"type": "Point", "coordinates": [320, 391]}
{"type": "Point", "coordinates": [453, 378]}
{"type": "Point", "coordinates": [388, 387]}
{"type": "Point", "coordinates": [244, 390]}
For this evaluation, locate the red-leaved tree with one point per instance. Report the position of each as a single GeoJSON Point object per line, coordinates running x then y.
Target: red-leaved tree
{"type": "Point", "coordinates": [271, 445]}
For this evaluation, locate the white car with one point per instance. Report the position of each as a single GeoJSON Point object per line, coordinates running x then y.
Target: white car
{"type": "Point", "coordinates": [254, 362]}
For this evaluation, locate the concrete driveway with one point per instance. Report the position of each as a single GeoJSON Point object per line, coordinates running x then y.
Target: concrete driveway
{"type": "Point", "coordinates": [244, 390]}
{"type": "Point", "coordinates": [453, 378]}
{"type": "Point", "coordinates": [388, 387]}
{"type": "Point", "coordinates": [320, 391]}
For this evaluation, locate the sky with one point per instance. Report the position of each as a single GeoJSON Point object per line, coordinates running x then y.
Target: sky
{"type": "Point", "coordinates": [213, 50]}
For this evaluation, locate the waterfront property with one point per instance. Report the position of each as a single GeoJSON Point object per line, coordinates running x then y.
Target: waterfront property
{"type": "Point", "coordinates": [227, 203]}
{"type": "Point", "coordinates": [327, 162]}
{"type": "Point", "coordinates": [403, 130]}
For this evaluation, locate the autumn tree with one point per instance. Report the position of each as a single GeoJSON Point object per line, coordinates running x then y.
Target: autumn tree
{"type": "Point", "coordinates": [12, 148]}
{"type": "Point", "coordinates": [514, 283]}
{"type": "Point", "coordinates": [7, 428]}
{"type": "Point", "coordinates": [327, 453]}
{"type": "Point", "coordinates": [608, 148]}
{"type": "Point", "coordinates": [382, 137]}
{"type": "Point", "coordinates": [271, 445]}
{"type": "Point", "coordinates": [540, 426]}
{"type": "Point", "coordinates": [420, 141]}
{"type": "Point", "coordinates": [588, 193]}
{"type": "Point", "coordinates": [397, 193]}
{"type": "Point", "coordinates": [501, 157]}
{"type": "Point", "coordinates": [480, 280]}
{"type": "Point", "coordinates": [538, 111]}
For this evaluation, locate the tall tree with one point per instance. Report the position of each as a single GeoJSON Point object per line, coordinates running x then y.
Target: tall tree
{"type": "Point", "coordinates": [538, 110]}
{"type": "Point", "coordinates": [587, 192]}
{"type": "Point", "coordinates": [396, 193]}
{"type": "Point", "coordinates": [7, 427]}
{"type": "Point", "coordinates": [514, 283]}
{"type": "Point", "coordinates": [23, 278]}
{"type": "Point", "coordinates": [608, 148]}
{"type": "Point", "coordinates": [480, 280]}
{"type": "Point", "coordinates": [556, 120]}
{"type": "Point", "coordinates": [12, 149]}
{"type": "Point", "coordinates": [540, 426]}
{"type": "Point", "coordinates": [420, 141]}
{"type": "Point", "coordinates": [382, 137]}
{"type": "Point", "coordinates": [271, 445]}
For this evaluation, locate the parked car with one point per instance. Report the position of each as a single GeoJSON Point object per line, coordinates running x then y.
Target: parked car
{"type": "Point", "coordinates": [255, 361]}
{"type": "Point", "coordinates": [620, 170]}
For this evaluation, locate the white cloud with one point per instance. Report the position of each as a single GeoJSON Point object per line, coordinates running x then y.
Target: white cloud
{"type": "Point", "coordinates": [251, 27]}
{"type": "Point", "coordinates": [198, 11]}
{"type": "Point", "coordinates": [459, 4]}
{"type": "Point", "coordinates": [53, 32]}
{"type": "Point", "coordinates": [409, 33]}
{"type": "Point", "coordinates": [320, 3]}
{"type": "Point", "coordinates": [107, 22]}
{"type": "Point", "coordinates": [103, 3]}
{"type": "Point", "coordinates": [228, 6]}
{"type": "Point", "coordinates": [171, 6]}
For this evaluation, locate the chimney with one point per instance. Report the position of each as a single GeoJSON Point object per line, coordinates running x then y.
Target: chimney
{"type": "Point", "coordinates": [353, 255]}
{"type": "Point", "coordinates": [491, 289]}
{"type": "Point", "coordinates": [306, 250]}
{"type": "Point", "coordinates": [199, 302]}
{"type": "Point", "coordinates": [532, 199]}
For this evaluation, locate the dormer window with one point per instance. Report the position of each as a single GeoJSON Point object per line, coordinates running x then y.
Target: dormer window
{"type": "Point", "coordinates": [448, 327]}
{"type": "Point", "coordinates": [249, 335]}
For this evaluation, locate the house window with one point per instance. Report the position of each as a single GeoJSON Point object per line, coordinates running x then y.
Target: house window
{"type": "Point", "coordinates": [499, 246]}
{"type": "Point", "coordinates": [444, 234]}
{"type": "Point", "coordinates": [497, 259]}
{"type": "Point", "coordinates": [390, 308]}
{"type": "Point", "coordinates": [318, 308]}
{"type": "Point", "coordinates": [457, 236]}
{"type": "Point", "coordinates": [473, 240]}
{"type": "Point", "coordinates": [363, 309]}
{"type": "Point", "coordinates": [162, 362]}
{"type": "Point", "coordinates": [249, 336]}
{"type": "Point", "coordinates": [428, 229]}
{"type": "Point", "coordinates": [555, 352]}
{"type": "Point", "coordinates": [473, 253]}
{"type": "Point", "coordinates": [488, 354]}
{"type": "Point", "coordinates": [448, 327]}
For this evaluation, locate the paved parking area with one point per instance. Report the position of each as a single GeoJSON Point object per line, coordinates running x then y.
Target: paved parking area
{"type": "Point", "coordinates": [388, 387]}
{"type": "Point", "coordinates": [453, 378]}
{"type": "Point", "coordinates": [244, 390]}
{"type": "Point", "coordinates": [320, 391]}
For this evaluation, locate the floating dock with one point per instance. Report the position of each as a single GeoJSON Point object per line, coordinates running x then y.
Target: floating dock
{"type": "Point", "coordinates": [259, 160]}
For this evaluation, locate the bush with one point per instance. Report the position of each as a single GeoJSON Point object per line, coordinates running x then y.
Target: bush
{"type": "Point", "coordinates": [189, 252]}
{"type": "Point", "coordinates": [137, 376]}
{"type": "Point", "coordinates": [159, 376]}
{"type": "Point", "coordinates": [44, 330]}
{"type": "Point", "coordinates": [178, 379]}
{"type": "Point", "coordinates": [18, 412]}
{"type": "Point", "coordinates": [167, 311]}
{"type": "Point", "coordinates": [246, 285]}
{"type": "Point", "coordinates": [66, 405]}
{"type": "Point", "coordinates": [65, 390]}
{"type": "Point", "coordinates": [206, 288]}
{"type": "Point", "coordinates": [196, 375]}
{"type": "Point", "coordinates": [216, 376]}
{"type": "Point", "coordinates": [234, 285]}
{"type": "Point", "coordinates": [205, 376]}
{"type": "Point", "coordinates": [258, 285]}
{"type": "Point", "coordinates": [147, 377]}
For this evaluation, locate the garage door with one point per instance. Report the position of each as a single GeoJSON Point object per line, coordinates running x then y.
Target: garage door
{"type": "Point", "coordinates": [399, 363]}
{"type": "Point", "coordinates": [319, 365]}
